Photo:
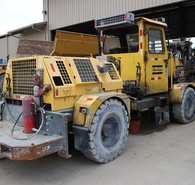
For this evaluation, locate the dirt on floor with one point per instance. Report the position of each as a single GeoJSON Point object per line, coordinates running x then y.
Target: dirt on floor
{"type": "Point", "coordinates": [162, 155]}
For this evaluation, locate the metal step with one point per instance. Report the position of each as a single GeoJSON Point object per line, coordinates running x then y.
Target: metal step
{"type": "Point", "coordinates": [161, 115]}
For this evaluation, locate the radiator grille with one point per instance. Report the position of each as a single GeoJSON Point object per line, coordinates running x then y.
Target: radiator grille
{"type": "Point", "coordinates": [85, 70]}
{"type": "Point", "coordinates": [63, 72]}
{"type": "Point", "coordinates": [22, 76]}
{"type": "Point", "coordinates": [112, 72]}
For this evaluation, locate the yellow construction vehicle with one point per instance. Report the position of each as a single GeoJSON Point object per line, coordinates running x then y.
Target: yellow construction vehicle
{"type": "Point", "coordinates": [46, 98]}
{"type": "Point", "coordinates": [154, 78]}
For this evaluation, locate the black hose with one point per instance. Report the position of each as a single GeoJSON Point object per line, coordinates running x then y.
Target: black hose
{"type": "Point", "coordinates": [2, 96]}
{"type": "Point", "coordinates": [9, 109]}
{"type": "Point", "coordinates": [15, 124]}
{"type": "Point", "coordinates": [37, 130]}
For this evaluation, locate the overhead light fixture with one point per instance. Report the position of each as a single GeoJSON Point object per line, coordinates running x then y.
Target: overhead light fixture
{"type": "Point", "coordinates": [44, 12]}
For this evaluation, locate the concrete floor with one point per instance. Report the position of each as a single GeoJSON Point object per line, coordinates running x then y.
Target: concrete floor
{"type": "Point", "coordinates": [156, 156]}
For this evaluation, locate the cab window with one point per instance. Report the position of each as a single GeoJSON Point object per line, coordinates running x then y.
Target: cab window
{"type": "Point", "coordinates": [121, 40]}
{"type": "Point", "coordinates": [132, 42]}
{"type": "Point", "coordinates": [155, 39]}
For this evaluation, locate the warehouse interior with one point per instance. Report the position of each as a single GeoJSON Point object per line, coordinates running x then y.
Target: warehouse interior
{"type": "Point", "coordinates": [179, 16]}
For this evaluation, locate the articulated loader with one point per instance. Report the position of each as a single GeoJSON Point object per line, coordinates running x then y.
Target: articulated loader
{"type": "Point", "coordinates": [46, 98]}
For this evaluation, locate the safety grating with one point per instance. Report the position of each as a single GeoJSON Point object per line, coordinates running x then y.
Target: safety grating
{"type": "Point", "coordinates": [63, 72]}
{"type": "Point", "coordinates": [116, 20]}
{"type": "Point", "coordinates": [112, 72]}
{"type": "Point", "coordinates": [110, 20]}
{"type": "Point", "coordinates": [22, 76]}
{"type": "Point", "coordinates": [85, 70]}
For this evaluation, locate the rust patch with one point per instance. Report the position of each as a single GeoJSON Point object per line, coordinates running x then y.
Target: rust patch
{"type": "Point", "coordinates": [32, 152]}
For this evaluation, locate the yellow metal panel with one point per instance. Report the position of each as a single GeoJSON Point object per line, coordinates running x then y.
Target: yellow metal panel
{"type": "Point", "coordinates": [87, 101]}
{"type": "Point", "coordinates": [156, 66]}
{"type": "Point", "coordinates": [52, 67]}
{"type": "Point", "coordinates": [70, 83]}
{"type": "Point", "coordinates": [176, 93]}
{"type": "Point", "coordinates": [92, 103]}
{"type": "Point", "coordinates": [149, 70]}
{"type": "Point", "coordinates": [111, 80]}
{"type": "Point", "coordinates": [151, 21]}
{"type": "Point", "coordinates": [170, 69]}
{"type": "Point", "coordinates": [129, 62]}
{"type": "Point", "coordinates": [75, 44]}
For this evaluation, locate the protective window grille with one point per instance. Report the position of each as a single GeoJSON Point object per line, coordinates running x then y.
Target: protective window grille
{"type": "Point", "coordinates": [63, 72]}
{"type": "Point", "coordinates": [110, 20]}
{"type": "Point", "coordinates": [112, 72]}
{"type": "Point", "coordinates": [22, 76]}
{"type": "Point", "coordinates": [85, 70]}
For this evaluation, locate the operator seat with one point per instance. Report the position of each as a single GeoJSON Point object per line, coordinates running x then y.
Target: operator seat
{"type": "Point", "coordinates": [133, 46]}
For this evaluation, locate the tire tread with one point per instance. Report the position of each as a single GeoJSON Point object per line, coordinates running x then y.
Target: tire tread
{"type": "Point", "coordinates": [92, 153]}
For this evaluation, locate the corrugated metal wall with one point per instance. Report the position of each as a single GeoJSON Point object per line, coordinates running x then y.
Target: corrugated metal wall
{"type": "Point", "coordinates": [61, 13]}
{"type": "Point", "coordinates": [67, 12]}
{"type": "Point", "coordinates": [9, 45]}
{"type": "Point", "coordinates": [9, 49]}
{"type": "Point", "coordinates": [3, 48]}
{"type": "Point", "coordinates": [34, 35]}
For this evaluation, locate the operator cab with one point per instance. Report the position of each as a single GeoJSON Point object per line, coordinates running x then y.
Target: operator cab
{"type": "Point", "coordinates": [118, 34]}
{"type": "Point", "coordinates": [136, 47]}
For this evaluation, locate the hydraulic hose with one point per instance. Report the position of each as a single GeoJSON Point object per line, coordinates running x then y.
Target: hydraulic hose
{"type": "Point", "coordinates": [42, 111]}
{"type": "Point", "coordinates": [2, 97]}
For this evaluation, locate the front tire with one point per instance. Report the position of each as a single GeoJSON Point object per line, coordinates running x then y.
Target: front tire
{"type": "Point", "coordinates": [185, 111]}
{"type": "Point", "coordinates": [108, 133]}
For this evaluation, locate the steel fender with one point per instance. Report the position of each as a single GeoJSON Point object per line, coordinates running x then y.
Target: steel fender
{"type": "Point", "coordinates": [86, 106]}
{"type": "Point", "coordinates": [176, 93]}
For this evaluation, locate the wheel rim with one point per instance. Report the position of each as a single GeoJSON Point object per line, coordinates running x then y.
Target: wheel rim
{"type": "Point", "coordinates": [110, 132]}
{"type": "Point", "coordinates": [189, 107]}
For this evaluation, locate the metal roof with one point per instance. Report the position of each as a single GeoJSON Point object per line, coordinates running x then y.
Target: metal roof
{"type": "Point", "coordinates": [152, 21]}
{"type": "Point", "coordinates": [20, 30]}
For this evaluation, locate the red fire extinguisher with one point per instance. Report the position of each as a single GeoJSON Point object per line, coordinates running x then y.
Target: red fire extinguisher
{"type": "Point", "coordinates": [28, 110]}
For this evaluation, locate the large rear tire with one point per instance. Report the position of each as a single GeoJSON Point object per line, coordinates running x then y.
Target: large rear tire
{"type": "Point", "coordinates": [185, 111]}
{"type": "Point", "coordinates": [108, 133]}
